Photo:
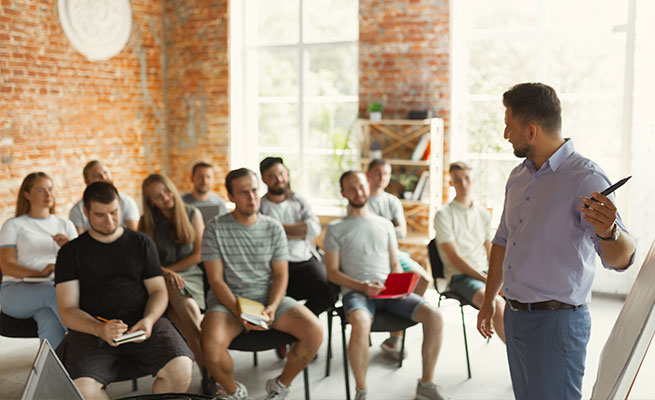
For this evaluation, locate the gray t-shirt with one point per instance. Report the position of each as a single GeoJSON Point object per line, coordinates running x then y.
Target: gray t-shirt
{"type": "Point", "coordinates": [247, 253]}
{"type": "Point", "coordinates": [291, 211]}
{"type": "Point", "coordinates": [363, 244]}
{"type": "Point", "coordinates": [388, 206]}
{"type": "Point", "coordinates": [204, 205]}
{"type": "Point", "coordinates": [129, 212]}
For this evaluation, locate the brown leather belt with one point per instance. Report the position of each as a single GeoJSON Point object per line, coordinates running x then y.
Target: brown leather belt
{"type": "Point", "coordinates": [542, 305]}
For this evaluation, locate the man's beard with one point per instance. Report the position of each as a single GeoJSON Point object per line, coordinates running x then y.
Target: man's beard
{"type": "Point", "coordinates": [350, 203]}
{"type": "Point", "coordinates": [521, 152]}
{"type": "Point", "coordinates": [101, 232]}
{"type": "Point", "coordinates": [285, 189]}
{"type": "Point", "coordinates": [201, 191]}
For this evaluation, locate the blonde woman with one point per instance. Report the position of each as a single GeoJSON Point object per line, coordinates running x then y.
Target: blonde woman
{"type": "Point", "coordinates": [177, 231]}
{"type": "Point", "coordinates": [29, 243]}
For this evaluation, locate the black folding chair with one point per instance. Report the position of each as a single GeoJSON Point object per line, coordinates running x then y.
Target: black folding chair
{"type": "Point", "coordinates": [266, 340]}
{"type": "Point", "coordinates": [383, 322]}
{"type": "Point", "coordinates": [437, 272]}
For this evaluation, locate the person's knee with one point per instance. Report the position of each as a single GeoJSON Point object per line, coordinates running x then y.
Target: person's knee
{"type": "Point", "coordinates": [499, 305]}
{"type": "Point", "coordinates": [177, 372]}
{"type": "Point", "coordinates": [429, 316]}
{"type": "Point", "coordinates": [89, 387]}
{"type": "Point", "coordinates": [360, 321]}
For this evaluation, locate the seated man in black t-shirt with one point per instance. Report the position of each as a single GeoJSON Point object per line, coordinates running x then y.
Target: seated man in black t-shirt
{"type": "Point", "coordinates": [113, 275]}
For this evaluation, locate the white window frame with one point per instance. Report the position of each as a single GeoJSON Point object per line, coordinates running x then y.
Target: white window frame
{"type": "Point", "coordinates": [243, 123]}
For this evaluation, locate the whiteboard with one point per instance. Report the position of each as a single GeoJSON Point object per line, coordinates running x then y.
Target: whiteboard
{"type": "Point", "coordinates": [628, 342]}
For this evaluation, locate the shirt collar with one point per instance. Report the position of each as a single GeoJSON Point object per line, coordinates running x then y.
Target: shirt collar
{"type": "Point", "coordinates": [556, 159]}
{"type": "Point", "coordinates": [462, 206]}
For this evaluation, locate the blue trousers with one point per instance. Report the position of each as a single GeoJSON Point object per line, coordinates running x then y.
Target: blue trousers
{"type": "Point", "coordinates": [546, 351]}
{"type": "Point", "coordinates": [34, 300]}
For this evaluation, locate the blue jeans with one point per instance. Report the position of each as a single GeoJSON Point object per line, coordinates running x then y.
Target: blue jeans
{"type": "Point", "coordinates": [546, 352]}
{"type": "Point", "coordinates": [34, 300]}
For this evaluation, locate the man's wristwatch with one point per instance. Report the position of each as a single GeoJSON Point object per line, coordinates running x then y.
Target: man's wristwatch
{"type": "Point", "coordinates": [614, 236]}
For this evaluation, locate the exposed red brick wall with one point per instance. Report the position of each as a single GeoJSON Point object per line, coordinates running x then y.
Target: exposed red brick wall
{"type": "Point", "coordinates": [58, 110]}
{"type": "Point", "coordinates": [404, 58]}
{"type": "Point", "coordinates": [197, 87]}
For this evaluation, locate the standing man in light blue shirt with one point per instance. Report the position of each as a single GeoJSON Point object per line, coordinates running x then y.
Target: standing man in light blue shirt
{"type": "Point", "coordinates": [543, 254]}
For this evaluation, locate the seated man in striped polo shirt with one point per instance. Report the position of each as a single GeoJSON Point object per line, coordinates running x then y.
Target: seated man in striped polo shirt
{"type": "Point", "coordinates": [246, 254]}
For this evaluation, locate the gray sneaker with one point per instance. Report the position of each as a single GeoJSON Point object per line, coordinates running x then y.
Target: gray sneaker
{"type": "Point", "coordinates": [275, 390]}
{"type": "Point", "coordinates": [240, 394]}
{"type": "Point", "coordinates": [360, 394]}
{"type": "Point", "coordinates": [428, 391]}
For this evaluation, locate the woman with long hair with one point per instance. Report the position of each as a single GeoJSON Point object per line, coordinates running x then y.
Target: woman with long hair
{"type": "Point", "coordinates": [29, 243]}
{"type": "Point", "coordinates": [177, 231]}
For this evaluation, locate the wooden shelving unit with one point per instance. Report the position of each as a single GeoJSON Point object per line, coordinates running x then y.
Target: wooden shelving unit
{"type": "Point", "coordinates": [398, 139]}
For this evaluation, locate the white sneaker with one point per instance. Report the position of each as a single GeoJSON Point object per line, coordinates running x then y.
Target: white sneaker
{"type": "Point", "coordinates": [391, 346]}
{"type": "Point", "coordinates": [240, 394]}
{"type": "Point", "coordinates": [360, 394]}
{"type": "Point", "coordinates": [275, 390]}
{"type": "Point", "coordinates": [428, 391]}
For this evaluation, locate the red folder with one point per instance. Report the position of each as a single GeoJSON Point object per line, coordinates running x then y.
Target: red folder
{"type": "Point", "coordinates": [398, 285]}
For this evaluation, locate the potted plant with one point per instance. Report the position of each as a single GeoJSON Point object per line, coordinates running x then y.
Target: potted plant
{"type": "Point", "coordinates": [375, 111]}
{"type": "Point", "coordinates": [406, 182]}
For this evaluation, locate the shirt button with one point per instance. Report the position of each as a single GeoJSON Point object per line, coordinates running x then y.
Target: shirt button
{"type": "Point", "coordinates": [528, 198]}
{"type": "Point", "coordinates": [514, 244]}
{"type": "Point", "coordinates": [509, 267]}
{"type": "Point", "coordinates": [521, 221]}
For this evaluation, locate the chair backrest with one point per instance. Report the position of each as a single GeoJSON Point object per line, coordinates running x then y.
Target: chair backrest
{"type": "Point", "coordinates": [436, 265]}
{"type": "Point", "coordinates": [435, 260]}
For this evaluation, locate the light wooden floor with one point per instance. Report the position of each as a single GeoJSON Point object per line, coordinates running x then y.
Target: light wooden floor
{"type": "Point", "coordinates": [489, 366]}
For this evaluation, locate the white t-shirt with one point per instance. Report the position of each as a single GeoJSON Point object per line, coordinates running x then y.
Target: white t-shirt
{"type": "Point", "coordinates": [32, 238]}
{"type": "Point", "coordinates": [469, 228]}
{"type": "Point", "coordinates": [290, 211]}
{"type": "Point", "coordinates": [129, 212]}
{"type": "Point", "coordinates": [363, 244]}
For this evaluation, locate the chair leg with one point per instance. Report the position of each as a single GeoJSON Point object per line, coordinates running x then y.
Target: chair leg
{"type": "Point", "coordinates": [135, 385]}
{"type": "Point", "coordinates": [466, 345]}
{"type": "Point", "coordinates": [254, 358]}
{"type": "Point", "coordinates": [345, 358]}
{"type": "Point", "coordinates": [329, 343]}
{"type": "Point", "coordinates": [402, 349]}
{"type": "Point", "coordinates": [305, 375]}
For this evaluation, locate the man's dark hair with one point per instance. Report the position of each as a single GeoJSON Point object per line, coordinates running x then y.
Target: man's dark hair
{"type": "Point", "coordinates": [268, 162]}
{"type": "Point", "coordinates": [199, 165]}
{"type": "Point", "coordinates": [101, 192]}
{"type": "Point", "coordinates": [536, 103]}
{"type": "Point", "coordinates": [459, 166]}
{"type": "Point", "coordinates": [236, 174]}
{"type": "Point", "coordinates": [376, 161]}
{"type": "Point", "coordinates": [87, 168]}
{"type": "Point", "coordinates": [347, 174]}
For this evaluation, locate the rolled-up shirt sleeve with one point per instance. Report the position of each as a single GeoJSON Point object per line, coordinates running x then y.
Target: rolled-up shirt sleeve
{"type": "Point", "coordinates": [599, 182]}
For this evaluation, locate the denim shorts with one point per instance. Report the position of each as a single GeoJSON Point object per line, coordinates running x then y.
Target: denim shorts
{"type": "Point", "coordinates": [405, 308]}
{"type": "Point", "coordinates": [465, 286]}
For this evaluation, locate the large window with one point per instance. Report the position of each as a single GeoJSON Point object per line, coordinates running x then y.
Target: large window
{"type": "Point", "coordinates": [578, 47]}
{"type": "Point", "coordinates": [598, 56]}
{"type": "Point", "coordinates": [296, 61]}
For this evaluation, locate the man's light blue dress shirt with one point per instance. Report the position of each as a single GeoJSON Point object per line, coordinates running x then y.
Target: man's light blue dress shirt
{"type": "Point", "coordinates": [550, 249]}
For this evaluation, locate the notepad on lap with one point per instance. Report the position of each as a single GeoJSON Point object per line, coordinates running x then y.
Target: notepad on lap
{"type": "Point", "coordinates": [251, 311]}
{"type": "Point", "coordinates": [33, 279]}
{"type": "Point", "coordinates": [398, 285]}
{"type": "Point", "coordinates": [130, 337]}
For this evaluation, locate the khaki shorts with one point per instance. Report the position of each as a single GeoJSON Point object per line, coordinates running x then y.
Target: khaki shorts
{"type": "Point", "coordinates": [213, 305]}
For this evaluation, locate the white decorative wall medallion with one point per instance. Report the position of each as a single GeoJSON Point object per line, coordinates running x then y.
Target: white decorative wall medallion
{"type": "Point", "coordinates": [99, 29]}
